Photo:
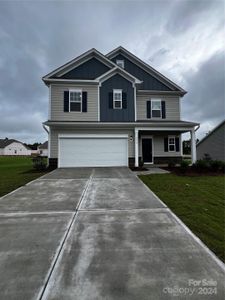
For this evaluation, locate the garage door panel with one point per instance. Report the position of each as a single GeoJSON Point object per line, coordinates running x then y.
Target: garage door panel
{"type": "Point", "coordinates": [85, 152]}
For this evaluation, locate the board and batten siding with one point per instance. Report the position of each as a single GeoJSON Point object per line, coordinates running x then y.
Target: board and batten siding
{"type": "Point", "coordinates": [57, 103]}
{"type": "Point", "coordinates": [172, 106]}
{"type": "Point", "coordinates": [55, 132]}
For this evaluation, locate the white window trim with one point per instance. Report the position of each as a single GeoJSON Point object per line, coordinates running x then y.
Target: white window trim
{"type": "Point", "coordinates": [158, 100]}
{"type": "Point", "coordinates": [171, 137]}
{"type": "Point", "coordinates": [116, 91]}
{"type": "Point", "coordinates": [120, 61]}
{"type": "Point", "coordinates": [77, 91]}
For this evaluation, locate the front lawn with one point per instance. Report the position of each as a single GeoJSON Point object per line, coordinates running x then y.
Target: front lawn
{"type": "Point", "coordinates": [198, 201]}
{"type": "Point", "coordinates": [15, 172]}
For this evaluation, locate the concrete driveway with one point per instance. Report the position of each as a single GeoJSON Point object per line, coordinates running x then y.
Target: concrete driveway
{"type": "Point", "coordinates": [99, 233]}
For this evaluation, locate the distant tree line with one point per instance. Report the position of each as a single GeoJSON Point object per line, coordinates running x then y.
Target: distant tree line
{"type": "Point", "coordinates": [33, 146]}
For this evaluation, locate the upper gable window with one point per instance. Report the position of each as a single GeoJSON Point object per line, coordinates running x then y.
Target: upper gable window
{"type": "Point", "coordinates": [75, 100]}
{"type": "Point", "coordinates": [120, 63]}
{"type": "Point", "coordinates": [156, 108]}
{"type": "Point", "coordinates": [117, 99]}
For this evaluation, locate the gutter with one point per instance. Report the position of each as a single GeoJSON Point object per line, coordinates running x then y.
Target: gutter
{"type": "Point", "coordinates": [197, 128]}
{"type": "Point", "coordinates": [45, 128]}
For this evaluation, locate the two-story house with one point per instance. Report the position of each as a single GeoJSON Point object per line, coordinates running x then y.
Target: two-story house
{"type": "Point", "coordinates": [113, 110]}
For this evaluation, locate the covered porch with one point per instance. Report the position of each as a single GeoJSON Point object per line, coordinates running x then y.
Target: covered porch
{"type": "Point", "coordinates": [158, 144]}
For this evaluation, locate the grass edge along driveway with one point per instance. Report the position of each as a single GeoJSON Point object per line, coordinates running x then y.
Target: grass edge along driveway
{"type": "Point", "coordinates": [16, 171]}
{"type": "Point", "coordinates": [198, 201]}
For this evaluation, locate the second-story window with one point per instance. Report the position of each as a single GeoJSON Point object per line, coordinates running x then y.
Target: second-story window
{"type": "Point", "coordinates": [75, 100]}
{"type": "Point", "coordinates": [120, 63]}
{"type": "Point", "coordinates": [156, 108]}
{"type": "Point", "coordinates": [117, 99]}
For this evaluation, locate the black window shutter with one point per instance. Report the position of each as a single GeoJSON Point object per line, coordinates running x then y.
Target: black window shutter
{"type": "Point", "coordinates": [84, 101]}
{"type": "Point", "coordinates": [166, 144]}
{"type": "Point", "coordinates": [124, 98]}
{"type": "Point", "coordinates": [148, 109]}
{"type": "Point", "coordinates": [66, 101]}
{"type": "Point", "coordinates": [177, 143]}
{"type": "Point", "coordinates": [163, 109]}
{"type": "Point", "coordinates": [110, 100]}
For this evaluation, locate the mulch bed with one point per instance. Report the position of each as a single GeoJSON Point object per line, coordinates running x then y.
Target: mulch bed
{"type": "Point", "coordinates": [138, 169]}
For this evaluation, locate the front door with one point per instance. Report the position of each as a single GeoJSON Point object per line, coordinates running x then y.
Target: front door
{"type": "Point", "coordinates": [147, 150]}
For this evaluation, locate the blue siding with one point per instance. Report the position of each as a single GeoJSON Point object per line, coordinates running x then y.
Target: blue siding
{"type": "Point", "coordinates": [149, 82]}
{"type": "Point", "coordinates": [91, 69]}
{"type": "Point", "coordinates": [116, 115]}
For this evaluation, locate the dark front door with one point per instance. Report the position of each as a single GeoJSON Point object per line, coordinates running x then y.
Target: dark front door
{"type": "Point", "coordinates": [147, 150]}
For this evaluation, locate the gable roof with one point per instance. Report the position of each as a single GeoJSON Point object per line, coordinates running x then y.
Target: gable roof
{"type": "Point", "coordinates": [78, 61]}
{"type": "Point", "coordinates": [118, 70]}
{"type": "Point", "coordinates": [146, 67]}
{"type": "Point", "coordinates": [54, 76]}
{"type": "Point", "coordinates": [211, 132]}
{"type": "Point", "coordinates": [6, 142]}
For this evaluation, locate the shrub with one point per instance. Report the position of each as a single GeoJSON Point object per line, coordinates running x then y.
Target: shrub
{"type": "Point", "coordinates": [184, 166]}
{"type": "Point", "coordinates": [39, 163]}
{"type": "Point", "coordinates": [223, 166]}
{"type": "Point", "coordinates": [207, 157]}
{"type": "Point", "coordinates": [171, 163]}
{"type": "Point", "coordinates": [201, 165]}
{"type": "Point", "coordinates": [216, 165]}
{"type": "Point", "coordinates": [141, 163]}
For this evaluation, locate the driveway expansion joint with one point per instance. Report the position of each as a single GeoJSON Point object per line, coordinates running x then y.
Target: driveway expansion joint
{"type": "Point", "coordinates": [64, 239]}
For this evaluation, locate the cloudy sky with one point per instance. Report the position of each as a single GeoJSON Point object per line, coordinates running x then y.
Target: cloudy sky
{"type": "Point", "coordinates": [182, 39]}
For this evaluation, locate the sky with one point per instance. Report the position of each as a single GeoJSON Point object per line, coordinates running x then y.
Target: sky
{"type": "Point", "coordinates": [184, 40]}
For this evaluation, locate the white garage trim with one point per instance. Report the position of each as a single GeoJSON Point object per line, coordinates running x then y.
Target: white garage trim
{"type": "Point", "coordinates": [122, 158]}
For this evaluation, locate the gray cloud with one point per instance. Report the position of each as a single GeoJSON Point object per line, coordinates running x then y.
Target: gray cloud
{"type": "Point", "coordinates": [205, 100]}
{"type": "Point", "coordinates": [186, 14]}
{"type": "Point", "coordinates": [38, 36]}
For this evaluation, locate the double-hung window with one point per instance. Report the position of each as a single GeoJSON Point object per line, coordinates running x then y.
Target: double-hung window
{"type": "Point", "coordinates": [171, 143]}
{"type": "Point", "coordinates": [156, 108]}
{"type": "Point", "coordinates": [117, 99]}
{"type": "Point", "coordinates": [75, 100]}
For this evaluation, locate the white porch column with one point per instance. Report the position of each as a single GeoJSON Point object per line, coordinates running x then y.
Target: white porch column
{"type": "Point", "coordinates": [193, 146]}
{"type": "Point", "coordinates": [136, 147]}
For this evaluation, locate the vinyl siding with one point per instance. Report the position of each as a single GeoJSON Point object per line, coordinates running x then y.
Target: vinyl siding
{"type": "Point", "coordinates": [171, 102]}
{"type": "Point", "coordinates": [214, 145]}
{"type": "Point", "coordinates": [55, 132]}
{"type": "Point", "coordinates": [57, 103]}
{"type": "Point", "coordinates": [158, 142]}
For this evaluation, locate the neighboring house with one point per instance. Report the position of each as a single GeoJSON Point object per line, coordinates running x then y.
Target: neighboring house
{"type": "Point", "coordinates": [43, 149]}
{"type": "Point", "coordinates": [13, 147]}
{"type": "Point", "coordinates": [113, 110]}
{"type": "Point", "coordinates": [213, 144]}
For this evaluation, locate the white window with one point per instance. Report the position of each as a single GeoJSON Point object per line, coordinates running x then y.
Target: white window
{"type": "Point", "coordinates": [156, 108]}
{"type": "Point", "coordinates": [171, 143]}
{"type": "Point", "coordinates": [117, 99]}
{"type": "Point", "coordinates": [120, 63]}
{"type": "Point", "coordinates": [75, 100]}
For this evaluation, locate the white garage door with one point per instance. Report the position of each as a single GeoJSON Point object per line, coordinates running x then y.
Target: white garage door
{"type": "Point", "coordinates": [93, 151]}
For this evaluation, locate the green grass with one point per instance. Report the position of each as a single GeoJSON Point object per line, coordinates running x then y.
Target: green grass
{"type": "Point", "coordinates": [198, 202]}
{"type": "Point", "coordinates": [15, 172]}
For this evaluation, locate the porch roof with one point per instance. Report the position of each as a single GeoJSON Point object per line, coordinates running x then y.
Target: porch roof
{"type": "Point", "coordinates": [182, 126]}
